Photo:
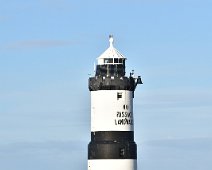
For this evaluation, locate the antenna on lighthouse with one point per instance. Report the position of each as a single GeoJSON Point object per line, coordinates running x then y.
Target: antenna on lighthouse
{"type": "Point", "coordinates": [94, 67]}
{"type": "Point", "coordinates": [111, 40]}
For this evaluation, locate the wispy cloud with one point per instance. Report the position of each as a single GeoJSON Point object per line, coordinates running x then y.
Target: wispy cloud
{"type": "Point", "coordinates": [175, 154]}
{"type": "Point", "coordinates": [3, 18]}
{"type": "Point", "coordinates": [44, 155]}
{"type": "Point", "coordinates": [176, 98]}
{"type": "Point", "coordinates": [37, 44]}
{"type": "Point", "coordinates": [182, 143]}
{"type": "Point", "coordinates": [50, 146]}
{"type": "Point", "coordinates": [57, 4]}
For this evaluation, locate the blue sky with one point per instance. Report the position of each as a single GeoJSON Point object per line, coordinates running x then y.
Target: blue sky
{"type": "Point", "coordinates": [47, 50]}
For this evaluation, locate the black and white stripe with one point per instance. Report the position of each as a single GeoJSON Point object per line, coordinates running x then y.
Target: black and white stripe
{"type": "Point", "coordinates": [112, 145]}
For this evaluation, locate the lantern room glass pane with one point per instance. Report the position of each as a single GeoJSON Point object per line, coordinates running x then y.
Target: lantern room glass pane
{"type": "Point", "coordinates": [116, 60]}
{"type": "Point", "coordinates": [108, 60]}
{"type": "Point", "coordinates": [120, 60]}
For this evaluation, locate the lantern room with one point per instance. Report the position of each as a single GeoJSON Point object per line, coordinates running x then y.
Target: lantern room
{"type": "Point", "coordinates": [111, 62]}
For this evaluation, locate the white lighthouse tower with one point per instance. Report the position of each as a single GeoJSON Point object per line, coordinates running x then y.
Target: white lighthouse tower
{"type": "Point", "coordinates": [112, 145]}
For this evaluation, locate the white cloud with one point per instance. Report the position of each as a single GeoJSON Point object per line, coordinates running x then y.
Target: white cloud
{"type": "Point", "coordinates": [36, 44]}
{"type": "Point", "coordinates": [3, 18]}
{"type": "Point", "coordinates": [52, 155]}
{"type": "Point", "coordinates": [175, 154]}
{"type": "Point", "coordinates": [175, 98]}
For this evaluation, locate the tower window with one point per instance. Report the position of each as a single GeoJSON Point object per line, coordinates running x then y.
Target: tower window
{"type": "Point", "coordinates": [119, 95]}
{"type": "Point", "coordinates": [120, 60]}
{"type": "Point", "coordinates": [121, 152]}
{"type": "Point", "coordinates": [116, 60]}
{"type": "Point", "coordinates": [108, 60]}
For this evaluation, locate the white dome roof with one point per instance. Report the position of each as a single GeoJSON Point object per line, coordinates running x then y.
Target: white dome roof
{"type": "Point", "coordinates": [110, 53]}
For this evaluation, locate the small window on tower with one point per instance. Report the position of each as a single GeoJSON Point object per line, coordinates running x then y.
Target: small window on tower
{"type": "Point", "coordinates": [119, 95]}
{"type": "Point", "coordinates": [121, 152]}
{"type": "Point", "coordinates": [116, 60]}
{"type": "Point", "coordinates": [108, 60]}
{"type": "Point", "coordinates": [120, 60]}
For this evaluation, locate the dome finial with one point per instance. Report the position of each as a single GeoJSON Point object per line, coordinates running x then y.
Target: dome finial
{"type": "Point", "coordinates": [111, 40]}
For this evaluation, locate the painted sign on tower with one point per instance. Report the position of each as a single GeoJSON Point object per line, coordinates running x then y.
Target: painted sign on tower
{"type": "Point", "coordinates": [112, 145]}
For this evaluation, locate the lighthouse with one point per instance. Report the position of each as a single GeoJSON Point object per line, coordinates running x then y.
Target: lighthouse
{"type": "Point", "coordinates": [112, 145]}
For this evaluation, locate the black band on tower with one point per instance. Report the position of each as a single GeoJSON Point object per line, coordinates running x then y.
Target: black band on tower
{"type": "Point", "coordinates": [112, 150]}
{"type": "Point", "coordinates": [112, 145]}
{"type": "Point", "coordinates": [112, 83]}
